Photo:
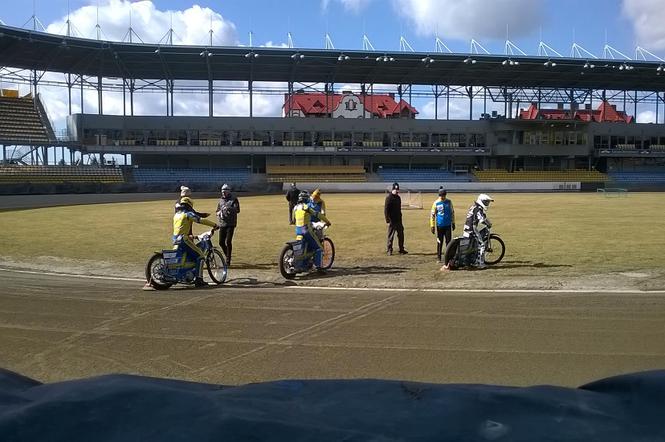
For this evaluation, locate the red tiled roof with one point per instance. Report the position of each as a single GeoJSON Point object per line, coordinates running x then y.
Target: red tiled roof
{"type": "Point", "coordinates": [605, 112]}
{"type": "Point", "coordinates": [382, 106]}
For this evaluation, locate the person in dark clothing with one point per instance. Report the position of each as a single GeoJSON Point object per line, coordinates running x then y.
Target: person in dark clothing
{"type": "Point", "coordinates": [292, 198]}
{"type": "Point", "coordinates": [393, 213]}
{"type": "Point", "coordinates": [228, 209]}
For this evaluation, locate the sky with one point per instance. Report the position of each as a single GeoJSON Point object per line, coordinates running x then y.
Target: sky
{"type": "Point", "coordinates": [623, 24]}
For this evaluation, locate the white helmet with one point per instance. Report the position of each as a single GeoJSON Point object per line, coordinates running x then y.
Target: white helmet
{"type": "Point", "coordinates": [484, 200]}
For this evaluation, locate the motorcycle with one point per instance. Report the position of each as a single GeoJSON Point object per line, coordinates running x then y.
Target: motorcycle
{"type": "Point", "coordinates": [170, 267]}
{"type": "Point", "coordinates": [463, 251]}
{"type": "Point", "coordinates": [295, 258]}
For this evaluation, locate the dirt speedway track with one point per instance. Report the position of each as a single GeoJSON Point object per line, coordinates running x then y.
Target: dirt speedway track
{"type": "Point", "coordinates": [61, 327]}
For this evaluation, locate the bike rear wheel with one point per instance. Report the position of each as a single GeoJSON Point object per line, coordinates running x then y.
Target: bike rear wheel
{"type": "Point", "coordinates": [216, 266]}
{"type": "Point", "coordinates": [328, 253]}
{"type": "Point", "coordinates": [286, 258]}
{"type": "Point", "coordinates": [495, 250]}
{"type": "Point", "coordinates": [451, 253]}
{"type": "Point", "coordinates": [154, 272]}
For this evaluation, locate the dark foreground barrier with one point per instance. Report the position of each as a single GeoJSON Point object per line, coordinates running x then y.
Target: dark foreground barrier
{"type": "Point", "coordinates": [134, 408]}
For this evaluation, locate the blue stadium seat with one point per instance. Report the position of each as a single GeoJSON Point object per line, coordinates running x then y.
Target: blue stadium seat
{"type": "Point", "coordinates": [191, 176]}
{"type": "Point", "coordinates": [638, 177]}
{"type": "Point", "coordinates": [422, 175]}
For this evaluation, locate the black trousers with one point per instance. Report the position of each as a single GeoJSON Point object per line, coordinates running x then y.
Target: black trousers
{"type": "Point", "coordinates": [226, 241]}
{"type": "Point", "coordinates": [392, 229]}
{"type": "Point", "coordinates": [441, 234]}
{"type": "Point", "coordinates": [291, 220]}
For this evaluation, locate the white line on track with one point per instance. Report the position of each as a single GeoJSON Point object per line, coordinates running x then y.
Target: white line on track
{"type": "Point", "coordinates": [364, 289]}
{"type": "Point", "coordinates": [386, 289]}
{"type": "Point", "coordinates": [71, 275]}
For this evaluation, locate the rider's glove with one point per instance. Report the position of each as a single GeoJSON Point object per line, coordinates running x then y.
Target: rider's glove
{"type": "Point", "coordinates": [453, 226]}
{"type": "Point", "coordinates": [432, 229]}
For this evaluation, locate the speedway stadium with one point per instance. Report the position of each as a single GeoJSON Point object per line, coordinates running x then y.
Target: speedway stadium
{"type": "Point", "coordinates": [578, 297]}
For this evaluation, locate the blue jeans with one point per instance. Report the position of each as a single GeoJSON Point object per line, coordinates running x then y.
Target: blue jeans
{"type": "Point", "coordinates": [312, 243]}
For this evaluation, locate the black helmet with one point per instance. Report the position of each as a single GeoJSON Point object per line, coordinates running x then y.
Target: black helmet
{"type": "Point", "coordinates": [442, 191]}
{"type": "Point", "coordinates": [303, 196]}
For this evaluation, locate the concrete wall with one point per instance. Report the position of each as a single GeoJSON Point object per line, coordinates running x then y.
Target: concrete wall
{"type": "Point", "coordinates": [453, 187]}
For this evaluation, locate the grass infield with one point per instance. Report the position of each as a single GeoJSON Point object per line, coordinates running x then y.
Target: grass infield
{"type": "Point", "coordinates": [547, 236]}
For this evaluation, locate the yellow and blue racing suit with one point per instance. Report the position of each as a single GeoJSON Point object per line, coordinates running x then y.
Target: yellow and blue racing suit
{"type": "Point", "coordinates": [182, 239]}
{"type": "Point", "coordinates": [319, 206]}
{"type": "Point", "coordinates": [303, 215]}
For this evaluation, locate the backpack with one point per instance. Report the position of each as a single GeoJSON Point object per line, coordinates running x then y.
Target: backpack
{"type": "Point", "coordinates": [228, 209]}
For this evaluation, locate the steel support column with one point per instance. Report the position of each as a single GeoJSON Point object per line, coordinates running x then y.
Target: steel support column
{"type": "Point", "coordinates": [69, 92]}
{"type": "Point", "coordinates": [100, 103]}
{"type": "Point", "coordinates": [447, 102]}
{"type": "Point", "coordinates": [166, 89]}
{"type": "Point", "coordinates": [250, 84]}
{"type": "Point", "coordinates": [124, 100]}
{"type": "Point", "coordinates": [210, 104]}
{"type": "Point", "coordinates": [131, 97]}
{"type": "Point", "coordinates": [657, 100]}
{"type": "Point", "coordinates": [635, 112]}
{"type": "Point", "coordinates": [81, 83]}
{"type": "Point", "coordinates": [485, 100]}
{"type": "Point", "coordinates": [172, 87]}
{"type": "Point", "coordinates": [436, 102]}
{"type": "Point", "coordinates": [469, 91]}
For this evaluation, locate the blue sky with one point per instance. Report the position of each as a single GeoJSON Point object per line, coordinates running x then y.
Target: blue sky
{"type": "Point", "coordinates": [382, 21]}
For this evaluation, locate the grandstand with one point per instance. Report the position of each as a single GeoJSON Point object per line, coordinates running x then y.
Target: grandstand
{"type": "Point", "coordinates": [638, 179]}
{"type": "Point", "coordinates": [59, 175]}
{"type": "Point", "coordinates": [22, 121]}
{"type": "Point", "coordinates": [313, 174]}
{"type": "Point", "coordinates": [501, 175]}
{"type": "Point", "coordinates": [557, 125]}
{"type": "Point", "coordinates": [191, 176]}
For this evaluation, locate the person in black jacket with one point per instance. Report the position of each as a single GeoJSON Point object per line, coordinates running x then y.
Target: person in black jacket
{"type": "Point", "coordinates": [393, 214]}
{"type": "Point", "coordinates": [228, 209]}
{"type": "Point", "coordinates": [292, 198]}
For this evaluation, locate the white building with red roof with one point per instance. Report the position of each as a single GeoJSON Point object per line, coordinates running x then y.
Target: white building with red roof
{"type": "Point", "coordinates": [346, 105]}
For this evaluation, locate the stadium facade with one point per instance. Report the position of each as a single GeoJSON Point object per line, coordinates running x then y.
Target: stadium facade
{"type": "Point", "coordinates": [527, 142]}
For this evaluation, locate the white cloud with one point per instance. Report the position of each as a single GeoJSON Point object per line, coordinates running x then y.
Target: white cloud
{"type": "Point", "coordinates": [191, 26]}
{"type": "Point", "coordinates": [354, 6]}
{"type": "Point", "coordinates": [459, 108]}
{"type": "Point", "coordinates": [151, 24]}
{"type": "Point", "coordinates": [646, 117]}
{"type": "Point", "coordinates": [647, 18]}
{"type": "Point", "coordinates": [465, 19]}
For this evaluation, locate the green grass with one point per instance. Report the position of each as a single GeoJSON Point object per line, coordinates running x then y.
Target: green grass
{"type": "Point", "coordinates": [548, 235]}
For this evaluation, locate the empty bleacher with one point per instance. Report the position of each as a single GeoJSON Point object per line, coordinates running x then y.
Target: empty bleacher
{"type": "Point", "coordinates": [501, 175]}
{"type": "Point", "coordinates": [319, 174]}
{"type": "Point", "coordinates": [59, 174]}
{"type": "Point", "coordinates": [191, 176]}
{"type": "Point", "coordinates": [20, 121]}
{"type": "Point", "coordinates": [638, 178]}
{"type": "Point", "coordinates": [389, 174]}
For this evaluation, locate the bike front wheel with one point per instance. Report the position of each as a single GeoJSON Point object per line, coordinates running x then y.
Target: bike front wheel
{"type": "Point", "coordinates": [495, 250]}
{"type": "Point", "coordinates": [216, 266]}
{"type": "Point", "coordinates": [328, 253]}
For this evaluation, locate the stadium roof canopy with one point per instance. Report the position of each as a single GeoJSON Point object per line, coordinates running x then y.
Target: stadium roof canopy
{"type": "Point", "coordinates": [26, 49]}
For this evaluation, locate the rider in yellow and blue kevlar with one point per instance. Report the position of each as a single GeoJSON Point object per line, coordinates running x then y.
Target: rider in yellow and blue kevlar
{"type": "Point", "coordinates": [183, 240]}
{"type": "Point", "coordinates": [303, 214]}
